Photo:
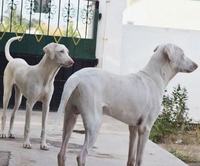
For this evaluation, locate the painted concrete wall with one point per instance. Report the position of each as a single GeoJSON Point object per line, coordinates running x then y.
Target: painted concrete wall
{"type": "Point", "coordinates": [137, 46]}
{"type": "Point", "coordinates": [123, 49]}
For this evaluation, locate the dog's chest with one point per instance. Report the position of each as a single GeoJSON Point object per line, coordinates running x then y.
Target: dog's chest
{"type": "Point", "coordinates": [46, 90]}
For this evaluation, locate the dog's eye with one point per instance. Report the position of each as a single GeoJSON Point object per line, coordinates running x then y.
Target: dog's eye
{"type": "Point", "coordinates": [62, 51]}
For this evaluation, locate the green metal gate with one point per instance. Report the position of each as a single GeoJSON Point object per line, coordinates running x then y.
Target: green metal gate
{"type": "Point", "coordinates": [70, 22]}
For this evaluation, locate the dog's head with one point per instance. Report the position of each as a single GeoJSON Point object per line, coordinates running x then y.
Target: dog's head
{"type": "Point", "coordinates": [60, 53]}
{"type": "Point", "coordinates": [177, 59]}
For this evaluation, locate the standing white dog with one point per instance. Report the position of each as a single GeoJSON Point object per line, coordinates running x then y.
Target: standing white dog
{"type": "Point", "coordinates": [35, 83]}
{"type": "Point", "coordinates": [134, 99]}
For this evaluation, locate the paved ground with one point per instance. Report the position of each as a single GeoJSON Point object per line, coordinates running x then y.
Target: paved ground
{"type": "Point", "coordinates": [110, 149]}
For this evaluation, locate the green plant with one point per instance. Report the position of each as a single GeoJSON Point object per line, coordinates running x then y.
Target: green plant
{"type": "Point", "coordinates": [71, 30]}
{"type": "Point", "coordinates": [174, 116]}
{"type": "Point", "coordinates": [16, 22]}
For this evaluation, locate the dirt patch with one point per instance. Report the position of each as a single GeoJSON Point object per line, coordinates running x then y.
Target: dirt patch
{"type": "Point", "coordinates": [185, 146]}
{"type": "Point", "coordinates": [4, 158]}
{"type": "Point", "coordinates": [194, 164]}
{"type": "Point", "coordinates": [102, 155]}
{"type": "Point", "coordinates": [79, 131]}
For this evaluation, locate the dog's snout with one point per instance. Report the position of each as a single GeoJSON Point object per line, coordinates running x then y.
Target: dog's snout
{"type": "Point", "coordinates": [71, 62]}
{"type": "Point", "coordinates": [195, 65]}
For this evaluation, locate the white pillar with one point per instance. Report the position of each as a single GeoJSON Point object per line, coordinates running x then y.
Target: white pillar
{"type": "Point", "coordinates": [109, 34]}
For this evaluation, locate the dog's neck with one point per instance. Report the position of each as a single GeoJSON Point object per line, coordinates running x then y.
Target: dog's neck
{"type": "Point", "coordinates": [49, 68]}
{"type": "Point", "coordinates": [160, 70]}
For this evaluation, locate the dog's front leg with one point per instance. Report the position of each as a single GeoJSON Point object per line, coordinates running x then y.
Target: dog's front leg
{"type": "Point", "coordinates": [45, 111]}
{"type": "Point", "coordinates": [143, 133]}
{"type": "Point", "coordinates": [133, 140]}
{"type": "Point", "coordinates": [29, 106]}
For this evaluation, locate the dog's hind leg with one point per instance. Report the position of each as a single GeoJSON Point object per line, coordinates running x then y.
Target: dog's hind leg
{"type": "Point", "coordinates": [18, 98]}
{"type": "Point", "coordinates": [133, 140]}
{"type": "Point", "coordinates": [6, 97]}
{"type": "Point", "coordinates": [92, 122]}
{"type": "Point", "coordinates": [69, 121]}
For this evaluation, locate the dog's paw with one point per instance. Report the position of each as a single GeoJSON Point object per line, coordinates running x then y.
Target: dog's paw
{"type": "Point", "coordinates": [27, 145]}
{"type": "Point", "coordinates": [2, 135]}
{"type": "Point", "coordinates": [44, 147]}
{"type": "Point", "coordinates": [11, 135]}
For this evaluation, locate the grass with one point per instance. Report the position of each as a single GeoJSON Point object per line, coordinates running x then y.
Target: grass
{"type": "Point", "coordinates": [188, 150]}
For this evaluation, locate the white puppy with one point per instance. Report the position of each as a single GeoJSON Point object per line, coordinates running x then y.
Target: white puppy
{"type": "Point", "coordinates": [35, 83]}
{"type": "Point", "coordinates": [134, 99]}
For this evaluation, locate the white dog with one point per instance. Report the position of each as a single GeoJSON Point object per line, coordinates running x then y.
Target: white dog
{"type": "Point", "coordinates": [35, 83]}
{"type": "Point", "coordinates": [134, 99]}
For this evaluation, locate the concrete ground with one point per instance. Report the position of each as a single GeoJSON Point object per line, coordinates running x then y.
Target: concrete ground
{"type": "Point", "coordinates": [111, 147]}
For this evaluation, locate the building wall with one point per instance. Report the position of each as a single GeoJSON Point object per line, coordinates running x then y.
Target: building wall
{"type": "Point", "coordinates": [138, 43]}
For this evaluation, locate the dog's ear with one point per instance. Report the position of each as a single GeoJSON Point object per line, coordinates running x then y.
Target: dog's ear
{"type": "Point", "coordinates": [170, 51]}
{"type": "Point", "coordinates": [49, 50]}
{"type": "Point", "coordinates": [155, 49]}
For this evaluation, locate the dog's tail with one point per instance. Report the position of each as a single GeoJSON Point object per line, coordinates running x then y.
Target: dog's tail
{"type": "Point", "coordinates": [7, 47]}
{"type": "Point", "coordinates": [69, 87]}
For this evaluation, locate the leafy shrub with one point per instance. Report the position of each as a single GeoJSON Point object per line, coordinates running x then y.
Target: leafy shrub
{"type": "Point", "coordinates": [174, 116]}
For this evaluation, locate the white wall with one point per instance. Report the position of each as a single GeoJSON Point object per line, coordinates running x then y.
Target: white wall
{"type": "Point", "coordinates": [137, 46]}
{"type": "Point", "coordinates": [180, 14]}
{"type": "Point", "coordinates": [123, 49]}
